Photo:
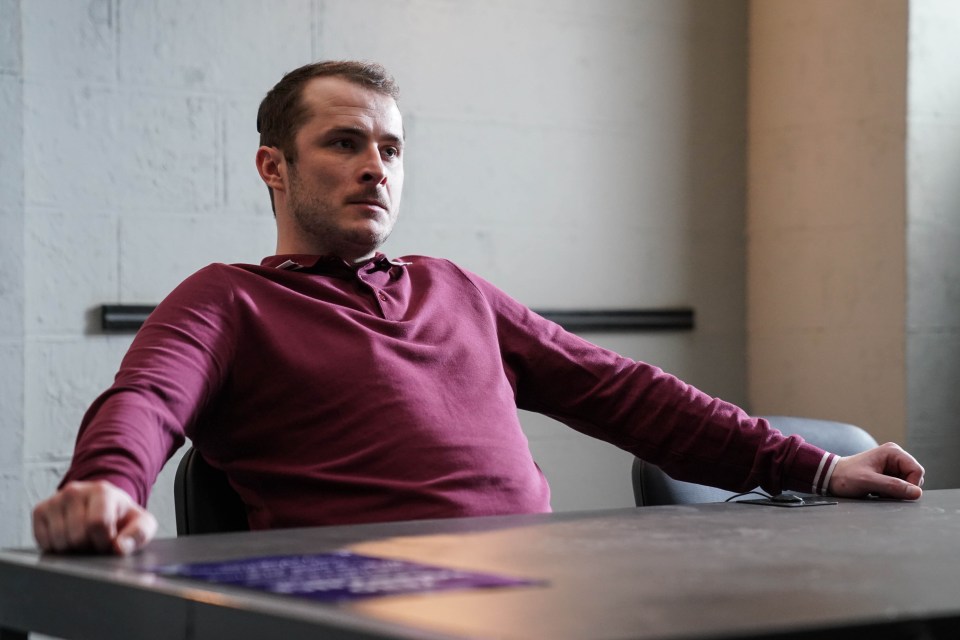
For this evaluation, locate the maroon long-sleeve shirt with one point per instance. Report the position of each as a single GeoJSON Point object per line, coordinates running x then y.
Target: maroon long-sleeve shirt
{"type": "Point", "coordinates": [339, 394]}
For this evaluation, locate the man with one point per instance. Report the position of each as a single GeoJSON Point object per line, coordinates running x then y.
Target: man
{"type": "Point", "coordinates": [334, 385]}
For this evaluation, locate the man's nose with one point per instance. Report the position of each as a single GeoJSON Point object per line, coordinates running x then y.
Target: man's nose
{"type": "Point", "coordinates": [373, 168]}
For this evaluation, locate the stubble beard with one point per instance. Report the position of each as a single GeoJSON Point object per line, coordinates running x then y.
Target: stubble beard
{"type": "Point", "coordinates": [316, 217]}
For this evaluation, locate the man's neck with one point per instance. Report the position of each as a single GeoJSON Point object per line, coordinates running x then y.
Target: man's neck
{"type": "Point", "coordinates": [307, 249]}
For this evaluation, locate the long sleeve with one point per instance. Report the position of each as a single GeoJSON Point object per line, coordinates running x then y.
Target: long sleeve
{"type": "Point", "coordinates": [175, 364]}
{"type": "Point", "coordinates": [640, 408]}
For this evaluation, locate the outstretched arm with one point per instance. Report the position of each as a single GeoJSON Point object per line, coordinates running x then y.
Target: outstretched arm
{"type": "Point", "coordinates": [886, 471]}
{"type": "Point", "coordinates": [92, 516]}
{"type": "Point", "coordinates": [173, 368]}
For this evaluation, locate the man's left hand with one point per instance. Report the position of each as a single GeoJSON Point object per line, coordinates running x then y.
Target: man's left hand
{"type": "Point", "coordinates": [886, 471]}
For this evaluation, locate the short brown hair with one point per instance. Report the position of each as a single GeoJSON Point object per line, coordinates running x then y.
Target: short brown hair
{"type": "Point", "coordinates": [282, 112]}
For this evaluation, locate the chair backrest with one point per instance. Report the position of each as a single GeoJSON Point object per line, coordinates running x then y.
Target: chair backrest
{"type": "Point", "coordinates": [651, 486]}
{"type": "Point", "coordinates": [203, 499]}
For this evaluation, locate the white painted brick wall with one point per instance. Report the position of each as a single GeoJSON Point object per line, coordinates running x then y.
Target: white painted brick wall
{"type": "Point", "coordinates": [93, 147]}
{"type": "Point", "coordinates": [39, 479]}
{"type": "Point", "coordinates": [243, 191]}
{"type": "Point", "coordinates": [72, 41]}
{"type": "Point", "coordinates": [11, 400]}
{"type": "Point", "coordinates": [11, 275]}
{"type": "Point", "coordinates": [73, 268]}
{"type": "Point", "coordinates": [65, 374]}
{"type": "Point", "coordinates": [577, 154]}
{"type": "Point", "coordinates": [223, 46]}
{"type": "Point", "coordinates": [10, 51]}
{"type": "Point", "coordinates": [11, 210]}
{"type": "Point", "coordinates": [150, 269]}
{"type": "Point", "coordinates": [12, 501]}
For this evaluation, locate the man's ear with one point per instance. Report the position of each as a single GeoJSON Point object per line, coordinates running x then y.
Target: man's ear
{"type": "Point", "coordinates": [272, 167]}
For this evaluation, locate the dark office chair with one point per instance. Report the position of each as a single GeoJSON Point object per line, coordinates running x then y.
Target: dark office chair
{"type": "Point", "coordinates": [651, 486]}
{"type": "Point", "coordinates": [203, 499]}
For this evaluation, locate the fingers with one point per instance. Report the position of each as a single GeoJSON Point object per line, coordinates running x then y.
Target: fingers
{"type": "Point", "coordinates": [54, 519]}
{"type": "Point", "coordinates": [41, 527]}
{"type": "Point", "coordinates": [97, 524]}
{"type": "Point", "coordinates": [888, 487]}
{"type": "Point", "coordinates": [137, 529]}
{"type": "Point", "coordinates": [905, 472]}
{"type": "Point", "coordinates": [907, 466]}
{"type": "Point", "coordinates": [85, 516]}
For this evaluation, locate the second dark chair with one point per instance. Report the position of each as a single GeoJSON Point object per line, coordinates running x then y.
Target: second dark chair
{"type": "Point", "coordinates": [203, 499]}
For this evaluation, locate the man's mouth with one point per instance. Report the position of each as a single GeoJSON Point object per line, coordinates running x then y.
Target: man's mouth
{"type": "Point", "coordinates": [371, 202]}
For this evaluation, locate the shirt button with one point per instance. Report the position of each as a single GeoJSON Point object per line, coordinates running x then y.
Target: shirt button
{"type": "Point", "coordinates": [382, 296]}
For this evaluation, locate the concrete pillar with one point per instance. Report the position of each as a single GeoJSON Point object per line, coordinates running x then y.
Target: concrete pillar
{"type": "Point", "coordinates": [933, 239]}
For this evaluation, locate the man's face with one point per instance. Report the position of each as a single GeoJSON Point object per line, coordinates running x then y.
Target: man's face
{"type": "Point", "coordinates": [343, 190]}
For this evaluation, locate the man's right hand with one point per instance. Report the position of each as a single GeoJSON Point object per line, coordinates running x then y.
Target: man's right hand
{"type": "Point", "coordinates": [92, 516]}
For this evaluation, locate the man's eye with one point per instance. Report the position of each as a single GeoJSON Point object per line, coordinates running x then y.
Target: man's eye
{"type": "Point", "coordinates": [391, 152]}
{"type": "Point", "coordinates": [343, 144]}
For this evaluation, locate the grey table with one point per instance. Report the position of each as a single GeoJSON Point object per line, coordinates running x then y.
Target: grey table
{"type": "Point", "coordinates": [862, 569]}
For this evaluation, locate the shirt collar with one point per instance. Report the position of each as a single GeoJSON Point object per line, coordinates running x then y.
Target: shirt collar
{"type": "Point", "coordinates": [307, 262]}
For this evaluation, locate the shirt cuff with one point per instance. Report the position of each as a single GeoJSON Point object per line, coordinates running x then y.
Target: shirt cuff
{"type": "Point", "coordinates": [821, 480]}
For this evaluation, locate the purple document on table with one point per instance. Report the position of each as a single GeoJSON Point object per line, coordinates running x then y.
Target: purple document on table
{"type": "Point", "coordinates": [338, 576]}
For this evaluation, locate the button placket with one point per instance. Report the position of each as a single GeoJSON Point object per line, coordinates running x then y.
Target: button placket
{"type": "Point", "coordinates": [381, 277]}
{"type": "Point", "coordinates": [379, 297]}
